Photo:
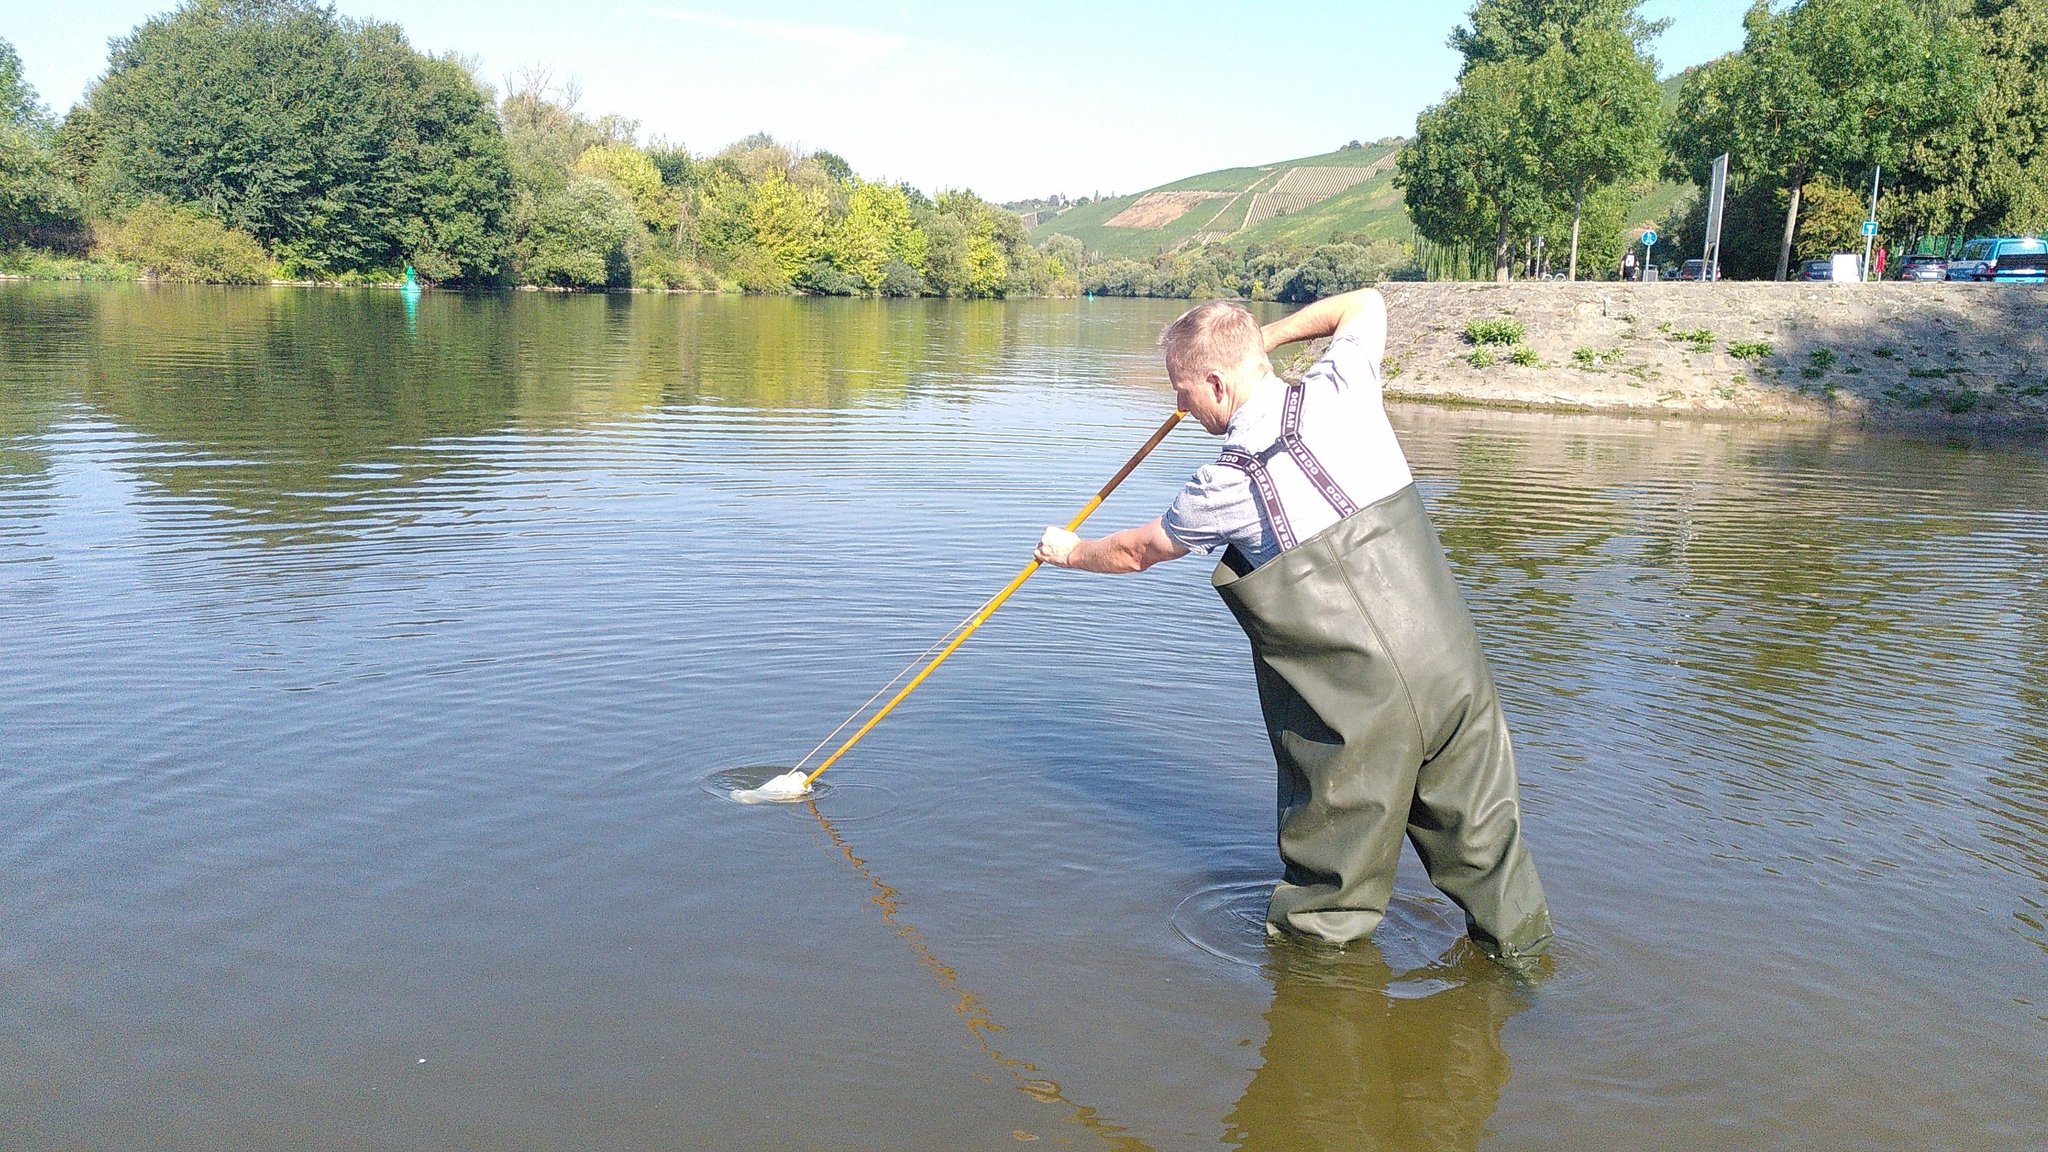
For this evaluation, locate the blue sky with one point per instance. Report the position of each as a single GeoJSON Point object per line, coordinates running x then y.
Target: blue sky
{"type": "Point", "coordinates": [1011, 100]}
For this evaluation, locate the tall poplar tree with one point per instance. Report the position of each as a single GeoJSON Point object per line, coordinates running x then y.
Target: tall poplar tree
{"type": "Point", "coordinates": [37, 206]}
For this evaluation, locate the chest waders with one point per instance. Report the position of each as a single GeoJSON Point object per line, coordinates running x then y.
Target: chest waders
{"type": "Point", "coordinates": [1384, 720]}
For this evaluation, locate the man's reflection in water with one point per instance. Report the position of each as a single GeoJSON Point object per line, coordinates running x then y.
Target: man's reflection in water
{"type": "Point", "coordinates": [1359, 1056]}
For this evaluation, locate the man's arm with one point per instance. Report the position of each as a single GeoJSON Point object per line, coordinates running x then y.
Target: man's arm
{"type": "Point", "coordinates": [1131, 550]}
{"type": "Point", "coordinates": [1362, 313]}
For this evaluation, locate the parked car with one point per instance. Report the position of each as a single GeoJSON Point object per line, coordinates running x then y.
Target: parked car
{"type": "Point", "coordinates": [2022, 259]}
{"type": "Point", "coordinates": [1695, 270]}
{"type": "Point", "coordinates": [1924, 266]}
{"type": "Point", "coordinates": [1822, 269]}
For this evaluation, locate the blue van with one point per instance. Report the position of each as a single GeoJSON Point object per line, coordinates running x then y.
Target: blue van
{"type": "Point", "coordinates": [2020, 259]}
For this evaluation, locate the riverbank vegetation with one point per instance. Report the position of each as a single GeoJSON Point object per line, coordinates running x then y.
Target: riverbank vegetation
{"type": "Point", "coordinates": [238, 140]}
{"type": "Point", "coordinates": [1559, 149]}
{"type": "Point", "coordinates": [1557, 109]}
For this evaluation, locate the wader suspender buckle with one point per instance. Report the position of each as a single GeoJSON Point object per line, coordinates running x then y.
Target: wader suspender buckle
{"type": "Point", "coordinates": [1290, 442]}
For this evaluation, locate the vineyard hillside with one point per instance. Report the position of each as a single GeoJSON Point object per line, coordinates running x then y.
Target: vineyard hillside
{"type": "Point", "coordinates": [1346, 195]}
{"type": "Point", "coordinates": [1236, 204]}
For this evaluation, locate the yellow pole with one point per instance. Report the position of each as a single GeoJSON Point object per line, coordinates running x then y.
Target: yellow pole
{"type": "Point", "coordinates": [980, 617]}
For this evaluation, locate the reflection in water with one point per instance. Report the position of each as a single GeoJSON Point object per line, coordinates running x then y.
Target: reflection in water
{"type": "Point", "coordinates": [306, 413]}
{"type": "Point", "coordinates": [1805, 616]}
{"type": "Point", "coordinates": [2017, 820]}
{"type": "Point", "coordinates": [1349, 1064]}
{"type": "Point", "coordinates": [1025, 1075]}
{"type": "Point", "coordinates": [1357, 1055]}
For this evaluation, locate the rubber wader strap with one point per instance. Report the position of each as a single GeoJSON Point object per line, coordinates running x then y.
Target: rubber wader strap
{"type": "Point", "coordinates": [1269, 496]}
{"type": "Point", "coordinates": [1290, 436]}
{"type": "Point", "coordinates": [1291, 443]}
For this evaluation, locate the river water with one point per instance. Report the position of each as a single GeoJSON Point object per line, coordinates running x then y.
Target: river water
{"type": "Point", "coordinates": [368, 676]}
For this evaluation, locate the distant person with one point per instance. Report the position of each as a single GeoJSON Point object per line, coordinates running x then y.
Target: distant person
{"type": "Point", "coordinates": [1379, 705]}
{"type": "Point", "coordinates": [1880, 262]}
{"type": "Point", "coordinates": [1628, 264]}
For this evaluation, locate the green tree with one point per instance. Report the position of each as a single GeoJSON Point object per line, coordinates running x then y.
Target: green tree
{"type": "Point", "coordinates": [834, 166]}
{"type": "Point", "coordinates": [1596, 116]}
{"type": "Point", "coordinates": [1750, 220]}
{"type": "Point", "coordinates": [1832, 219]}
{"type": "Point", "coordinates": [1501, 30]}
{"type": "Point", "coordinates": [1991, 172]}
{"type": "Point", "coordinates": [20, 107]}
{"type": "Point", "coordinates": [1328, 270]}
{"type": "Point", "coordinates": [900, 279]}
{"type": "Point", "coordinates": [788, 223]}
{"type": "Point", "coordinates": [945, 263]}
{"type": "Point", "coordinates": [875, 229]}
{"type": "Point", "coordinates": [1556, 101]}
{"type": "Point", "coordinates": [1118, 278]}
{"type": "Point", "coordinates": [446, 169]}
{"type": "Point", "coordinates": [1472, 170]}
{"type": "Point", "coordinates": [37, 205]}
{"type": "Point", "coordinates": [1064, 260]}
{"type": "Point", "coordinates": [329, 139]}
{"type": "Point", "coordinates": [1827, 86]}
{"type": "Point", "coordinates": [179, 242]}
{"type": "Point", "coordinates": [633, 173]}
{"type": "Point", "coordinates": [677, 167]}
{"type": "Point", "coordinates": [721, 223]}
{"type": "Point", "coordinates": [982, 249]}
{"type": "Point", "coordinates": [581, 236]}
{"type": "Point", "coordinates": [984, 256]}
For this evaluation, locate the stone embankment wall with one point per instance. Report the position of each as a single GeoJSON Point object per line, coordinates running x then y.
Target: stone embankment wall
{"type": "Point", "coordinates": [1894, 352]}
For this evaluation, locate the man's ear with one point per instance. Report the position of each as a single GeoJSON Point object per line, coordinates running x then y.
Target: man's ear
{"type": "Point", "coordinates": [1216, 384]}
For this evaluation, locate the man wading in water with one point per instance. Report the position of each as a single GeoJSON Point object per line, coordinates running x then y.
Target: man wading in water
{"type": "Point", "coordinates": [1381, 710]}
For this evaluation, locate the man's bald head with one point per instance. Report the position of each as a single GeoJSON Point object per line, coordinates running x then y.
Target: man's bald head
{"type": "Point", "coordinates": [1219, 336]}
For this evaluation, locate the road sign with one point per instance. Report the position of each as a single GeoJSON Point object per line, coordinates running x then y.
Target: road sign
{"type": "Point", "coordinates": [1717, 196]}
{"type": "Point", "coordinates": [1650, 239]}
{"type": "Point", "coordinates": [1870, 227]}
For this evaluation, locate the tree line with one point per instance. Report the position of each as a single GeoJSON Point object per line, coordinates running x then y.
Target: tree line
{"type": "Point", "coordinates": [1558, 122]}
{"type": "Point", "coordinates": [250, 139]}
{"type": "Point", "coordinates": [253, 139]}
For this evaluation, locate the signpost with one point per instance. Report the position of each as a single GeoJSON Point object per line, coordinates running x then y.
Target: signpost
{"type": "Point", "coordinates": [1870, 223]}
{"type": "Point", "coordinates": [1717, 197]}
{"type": "Point", "coordinates": [1649, 266]}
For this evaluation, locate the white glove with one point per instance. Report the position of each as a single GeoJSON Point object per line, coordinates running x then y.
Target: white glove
{"type": "Point", "coordinates": [1056, 547]}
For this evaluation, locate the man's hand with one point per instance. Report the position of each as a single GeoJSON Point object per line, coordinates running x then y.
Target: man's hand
{"type": "Point", "coordinates": [1131, 550]}
{"type": "Point", "coordinates": [1056, 548]}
